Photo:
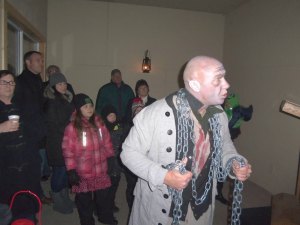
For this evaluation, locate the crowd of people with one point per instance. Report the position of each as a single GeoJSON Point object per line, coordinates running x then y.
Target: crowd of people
{"type": "Point", "coordinates": [162, 147]}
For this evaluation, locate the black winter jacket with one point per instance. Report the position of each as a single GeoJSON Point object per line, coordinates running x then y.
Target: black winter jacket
{"type": "Point", "coordinates": [19, 165]}
{"type": "Point", "coordinates": [58, 111]}
{"type": "Point", "coordinates": [29, 97]}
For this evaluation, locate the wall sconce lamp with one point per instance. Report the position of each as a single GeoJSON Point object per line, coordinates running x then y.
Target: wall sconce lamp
{"type": "Point", "coordinates": [146, 66]}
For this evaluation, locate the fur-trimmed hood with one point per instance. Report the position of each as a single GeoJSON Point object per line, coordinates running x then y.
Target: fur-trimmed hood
{"type": "Point", "coordinates": [50, 94]}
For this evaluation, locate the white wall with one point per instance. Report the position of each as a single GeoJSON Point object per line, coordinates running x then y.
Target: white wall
{"type": "Point", "coordinates": [88, 39]}
{"type": "Point", "coordinates": [262, 55]}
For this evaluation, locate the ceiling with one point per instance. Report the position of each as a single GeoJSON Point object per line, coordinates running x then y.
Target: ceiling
{"type": "Point", "coordinates": [210, 6]}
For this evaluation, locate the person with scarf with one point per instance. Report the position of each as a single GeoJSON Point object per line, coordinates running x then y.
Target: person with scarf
{"type": "Point", "coordinates": [179, 147]}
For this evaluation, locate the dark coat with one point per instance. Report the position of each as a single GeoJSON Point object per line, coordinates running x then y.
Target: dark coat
{"type": "Point", "coordinates": [118, 97]}
{"type": "Point", "coordinates": [129, 118]}
{"type": "Point", "coordinates": [29, 97]}
{"type": "Point", "coordinates": [58, 112]}
{"type": "Point", "coordinates": [150, 101]}
{"type": "Point", "coordinates": [19, 166]}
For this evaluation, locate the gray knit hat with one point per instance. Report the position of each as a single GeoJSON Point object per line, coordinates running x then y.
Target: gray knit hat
{"type": "Point", "coordinates": [56, 78]}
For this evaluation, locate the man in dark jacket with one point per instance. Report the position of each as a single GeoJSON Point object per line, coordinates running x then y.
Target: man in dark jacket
{"type": "Point", "coordinates": [116, 93]}
{"type": "Point", "coordinates": [29, 98]}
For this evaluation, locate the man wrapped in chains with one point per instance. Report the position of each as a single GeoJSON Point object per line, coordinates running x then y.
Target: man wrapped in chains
{"type": "Point", "coordinates": [179, 147]}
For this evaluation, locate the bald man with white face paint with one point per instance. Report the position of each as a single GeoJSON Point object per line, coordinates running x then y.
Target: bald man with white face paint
{"type": "Point", "coordinates": [204, 78]}
{"type": "Point", "coordinates": [179, 147]}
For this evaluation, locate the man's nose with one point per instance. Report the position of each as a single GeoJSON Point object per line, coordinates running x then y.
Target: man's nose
{"type": "Point", "coordinates": [226, 84]}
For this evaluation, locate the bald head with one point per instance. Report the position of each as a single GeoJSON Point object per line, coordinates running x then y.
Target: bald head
{"type": "Point", "coordinates": [204, 76]}
{"type": "Point", "coordinates": [197, 68]}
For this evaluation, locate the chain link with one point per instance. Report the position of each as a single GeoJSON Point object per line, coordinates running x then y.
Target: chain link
{"type": "Point", "coordinates": [185, 132]}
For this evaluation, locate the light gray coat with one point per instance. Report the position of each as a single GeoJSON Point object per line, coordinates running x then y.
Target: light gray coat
{"type": "Point", "coordinates": [150, 144]}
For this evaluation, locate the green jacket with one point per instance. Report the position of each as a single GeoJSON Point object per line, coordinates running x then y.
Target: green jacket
{"type": "Point", "coordinates": [118, 97]}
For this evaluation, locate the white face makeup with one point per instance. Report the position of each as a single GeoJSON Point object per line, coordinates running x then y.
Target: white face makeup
{"type": "Point", "coordinates": [214, 85]}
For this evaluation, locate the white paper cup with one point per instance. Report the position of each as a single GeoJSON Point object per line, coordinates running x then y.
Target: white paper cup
{"type": "Point", "coordinates": [14, 118]}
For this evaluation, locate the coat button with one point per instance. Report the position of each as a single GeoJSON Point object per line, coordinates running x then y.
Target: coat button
{"type": "Point", "coordinates": [166, 196]}
{"type": "Point", "coordinates": [164, 211]}
{"type": "Point", "coordinates": [167, 114]}
{"type": "Point", "coordinates": [169, 132]}
{"type": "Point", "coordinates": [169, 149]}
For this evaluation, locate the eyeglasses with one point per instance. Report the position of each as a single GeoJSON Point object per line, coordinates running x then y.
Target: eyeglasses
{"type": "Point", "coordinates": [11, 83]}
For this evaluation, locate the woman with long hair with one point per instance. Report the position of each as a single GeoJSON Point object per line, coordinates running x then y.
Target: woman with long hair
{"type": "Point", "coordinates": [86, 148]}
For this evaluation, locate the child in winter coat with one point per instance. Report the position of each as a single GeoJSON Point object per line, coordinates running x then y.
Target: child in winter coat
{"type": "Point", "coordinates": [136, 106]}
{"type": "Point", "coordinates": [86, 149]}
{"type": "Point", "coordinates": [116, 130]}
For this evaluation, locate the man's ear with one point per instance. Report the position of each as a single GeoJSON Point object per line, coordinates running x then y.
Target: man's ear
{"type": "Point", "coordinates": [195, 85]}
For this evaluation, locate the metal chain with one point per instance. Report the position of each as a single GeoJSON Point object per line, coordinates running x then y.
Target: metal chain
{"type": "Point", "coordinates": [186, 123]}
{"type": "Point", "coordinates": [237, 197]}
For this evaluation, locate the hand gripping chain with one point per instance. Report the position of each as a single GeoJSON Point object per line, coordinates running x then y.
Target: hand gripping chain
{"type": "Point", "coordinates": [185, 132]}
{"type": "Point", "coordinates": [237, 197]}
{"type": "Point", "coordinates": [177, 194]}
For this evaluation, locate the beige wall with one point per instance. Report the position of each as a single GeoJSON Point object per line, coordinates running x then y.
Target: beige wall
{"type": "Point", "coordinates": [262, 55]}
{"type": "Point", "coordinates": [88, 39]}
{"type": "Point", "coordinates": [35, 11]}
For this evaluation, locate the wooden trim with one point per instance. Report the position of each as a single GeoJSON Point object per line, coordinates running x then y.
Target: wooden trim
{"type": "Point", "coordinates": [298, 181]}
{"type": "Point", "coordinates": [3, 44]}
{"type": "Point", "coordinates": [290, 108]}
{"type": "Point", "coordinates": [9, 11]}
{"type": "Point", "coordinates": [22, 22]}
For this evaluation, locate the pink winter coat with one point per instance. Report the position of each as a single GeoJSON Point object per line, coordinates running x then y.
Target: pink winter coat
{"type": "Point", "coordinates": [87, 152]}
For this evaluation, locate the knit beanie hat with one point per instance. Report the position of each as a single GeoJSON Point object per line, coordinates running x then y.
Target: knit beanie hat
{"type": "Point", "coordinates": [108, 109]}
{"type": "Point", "coordinates": [136, 103]}
{"type": "Point", "coordinates": [56, 78]}
{"type": "Point", "coordinates": [80, 100]}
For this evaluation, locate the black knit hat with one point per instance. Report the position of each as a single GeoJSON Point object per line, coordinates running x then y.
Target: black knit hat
{"type": "Point", "coordinates": [108, 109]}
{"type": "Point", "coordinates": [80, 100]}
{"type": "Point", "coordinates": [56, 78]}
{"type": "Point", "coordinates": [140, 83]}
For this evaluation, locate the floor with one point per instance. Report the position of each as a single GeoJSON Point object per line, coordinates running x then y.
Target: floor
{"type": "Point", "coordinates": [253, 196]}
